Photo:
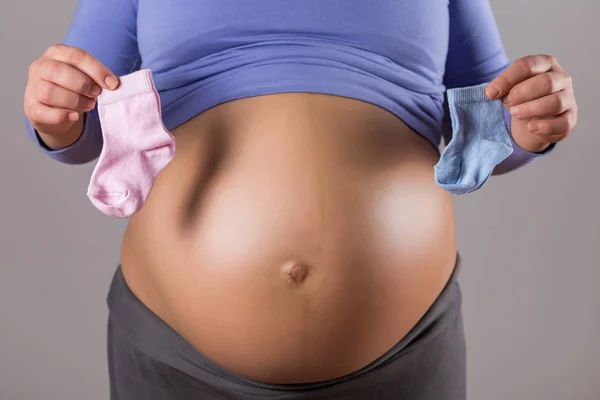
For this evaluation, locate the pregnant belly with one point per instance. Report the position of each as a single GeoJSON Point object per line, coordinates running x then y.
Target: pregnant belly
{"type": "Point", "coordinates": [294, 237]}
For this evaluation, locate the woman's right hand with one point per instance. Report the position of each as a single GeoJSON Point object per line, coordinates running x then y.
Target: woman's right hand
{"type": "Point", "coordinates": [63, 84]}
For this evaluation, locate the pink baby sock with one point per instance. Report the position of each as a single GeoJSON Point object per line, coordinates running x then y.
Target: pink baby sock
{"type": "Point", "coordinates": [137, 146]}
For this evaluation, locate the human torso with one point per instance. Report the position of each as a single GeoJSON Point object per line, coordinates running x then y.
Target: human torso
{"type": "Point", "coordinates": [294, 237]}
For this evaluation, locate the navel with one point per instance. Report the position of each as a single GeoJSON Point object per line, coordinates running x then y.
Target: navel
{"type": "Point", "coordinates": [294, 272]}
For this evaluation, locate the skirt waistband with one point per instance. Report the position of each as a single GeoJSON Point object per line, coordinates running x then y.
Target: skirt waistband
{"type": "Point", "coordinates": [151, 335]}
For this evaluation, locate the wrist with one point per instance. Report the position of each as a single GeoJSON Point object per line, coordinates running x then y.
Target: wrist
{"type": "Point", "coordinates": [529, 142]}
{"type": "Point", "coordinates": [65, 139]}
{"type": "Point", "coordinates": [522, 137]}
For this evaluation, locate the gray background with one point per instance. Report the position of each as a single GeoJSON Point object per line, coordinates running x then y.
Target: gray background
{"type": "Point", "coordinates": [530, 240]}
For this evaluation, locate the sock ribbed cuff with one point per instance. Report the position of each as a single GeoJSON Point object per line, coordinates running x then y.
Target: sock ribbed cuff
{"type": "Point", "coordinates": [469, 94]}
{"type": "Point", "coordinates": [136, 83]}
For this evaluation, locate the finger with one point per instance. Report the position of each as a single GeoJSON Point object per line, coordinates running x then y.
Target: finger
{"type": "Point", "coordinates": [555, 129]}
{"type": "Point", "coordinates": [522, 69]}
{"type": "Point", "coordinates": [547, 106]}
{"type": "Point", "coordinates": [52, 95]}
{"type": "Point", "coordinates": [537, 87]}
{"type": "Point", "coordinates": [43, 114]}
{"type": "Point", "coordinates": [85, 62]}
{"type": "Point", "coordinates": [67, 76]}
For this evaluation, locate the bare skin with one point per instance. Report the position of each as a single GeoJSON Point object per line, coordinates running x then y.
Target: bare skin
{"type": "Point", "coordinates": [294, 237]}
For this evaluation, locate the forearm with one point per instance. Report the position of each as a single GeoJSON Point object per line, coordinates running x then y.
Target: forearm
{"type": "Point", "coordinates": [82, 144]}
{"type": "Point", "coordinates": [107, 30]}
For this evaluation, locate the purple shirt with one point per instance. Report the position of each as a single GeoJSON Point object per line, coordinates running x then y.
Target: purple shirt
{"type": "Point", "coordinates": [400, 55]}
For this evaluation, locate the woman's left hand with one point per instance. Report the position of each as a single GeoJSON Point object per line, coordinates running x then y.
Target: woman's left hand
{"type": "Point", "coordinates": [539, 95]}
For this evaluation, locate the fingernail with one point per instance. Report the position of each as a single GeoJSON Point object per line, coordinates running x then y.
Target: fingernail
{"type": "Point", "coordinates": [90, 105]}
{"type": "Point", "coordinates": [534, 127]}
{"type": "Point", "coordinates": [95, 90]}
{"type": "Point", "coordinates": [514, 110]}
{"type": "Point", "coordinates": [493, 91]}
{"type": "Point", "coordinates": [111, 82]}
{"type": "Point", "coordinates": [507, 99]}
{"type": "Point", "coordinates": [73, 116]}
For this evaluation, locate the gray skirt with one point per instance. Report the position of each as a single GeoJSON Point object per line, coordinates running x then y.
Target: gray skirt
{"type": "Point", "coordinates": [148, 360]}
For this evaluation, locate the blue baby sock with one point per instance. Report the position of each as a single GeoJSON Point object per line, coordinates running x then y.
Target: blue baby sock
{"type": "Point", "coordinates": [480, 140]}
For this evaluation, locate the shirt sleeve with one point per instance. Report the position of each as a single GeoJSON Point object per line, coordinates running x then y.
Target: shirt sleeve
{"type": "Point", "coordinates": [476, 55]}
{"type": "Point", "coordinates": [107, 30]}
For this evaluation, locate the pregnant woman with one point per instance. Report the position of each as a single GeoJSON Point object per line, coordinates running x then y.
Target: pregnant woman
{"type": "Point", "coordinates": [297, 245]}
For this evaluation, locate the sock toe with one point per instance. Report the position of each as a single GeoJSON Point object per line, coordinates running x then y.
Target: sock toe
{"type": "Point", "coordinates": [115, 204]}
